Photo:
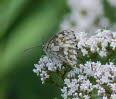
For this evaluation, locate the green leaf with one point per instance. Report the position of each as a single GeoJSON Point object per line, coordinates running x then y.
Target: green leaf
{"type": "Point", "coordinates": [57, 79]}
{"type": "Point", "coordinates": [94, 94]}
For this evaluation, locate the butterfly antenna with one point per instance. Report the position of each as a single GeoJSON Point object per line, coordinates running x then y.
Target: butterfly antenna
{"type": "Point", "coordinates": [30, 49]}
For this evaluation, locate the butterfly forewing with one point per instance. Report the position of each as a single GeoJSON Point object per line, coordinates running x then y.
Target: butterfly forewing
{"type": "Point", "coordinates": [63, 47]}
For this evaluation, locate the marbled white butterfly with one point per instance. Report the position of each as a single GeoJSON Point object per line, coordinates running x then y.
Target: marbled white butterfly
{"type": "Point", "coordinates": [62, 46]}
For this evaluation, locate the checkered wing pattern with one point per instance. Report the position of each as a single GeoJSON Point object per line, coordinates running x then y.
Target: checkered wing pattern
{"type": "Point", "coordinates": [63, 47]}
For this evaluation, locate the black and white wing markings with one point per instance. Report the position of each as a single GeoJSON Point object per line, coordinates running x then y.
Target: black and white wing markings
{"type": "Point", "coordinates": [62, 46]}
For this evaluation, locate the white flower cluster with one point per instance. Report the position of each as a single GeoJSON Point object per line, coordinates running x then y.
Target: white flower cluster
{"type": "Point", "coordinates": [45, 65]}
{"type": "Point", "coordinates": [97, 43]}
{"type": "Point", "coordinates": [85, 15]}
{"type": "Point", "coordinates": [79, 83]}
{"type": "Point", "coordinates": [85, 80]}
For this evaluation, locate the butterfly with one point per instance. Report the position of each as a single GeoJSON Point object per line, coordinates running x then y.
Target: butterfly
{"type": "Point", "coordinates": [62, 46]}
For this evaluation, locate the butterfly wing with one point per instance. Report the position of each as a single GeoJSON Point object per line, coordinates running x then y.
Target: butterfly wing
{"type": "Point", "coordinates": [63, 47]}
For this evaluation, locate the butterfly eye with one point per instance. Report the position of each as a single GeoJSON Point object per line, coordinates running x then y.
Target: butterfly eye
{"type": "Point", "coordinates": [43, 46]}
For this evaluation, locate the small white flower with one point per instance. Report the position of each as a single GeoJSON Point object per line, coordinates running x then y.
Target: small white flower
{"type": "Point", "coordinates": [84, 51]}
{"type": "Point", "coordinates": [113, 96]}
{"type": "Point", "coordinates": [105, 97]}
{"type": "Point", "coordinates": [102, 53]}
{"type": "Point", "coordinates": [86, 97]}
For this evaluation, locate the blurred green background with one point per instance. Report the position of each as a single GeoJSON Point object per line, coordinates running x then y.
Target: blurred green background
{"type": "Point", "coordinates": [23, 24]}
